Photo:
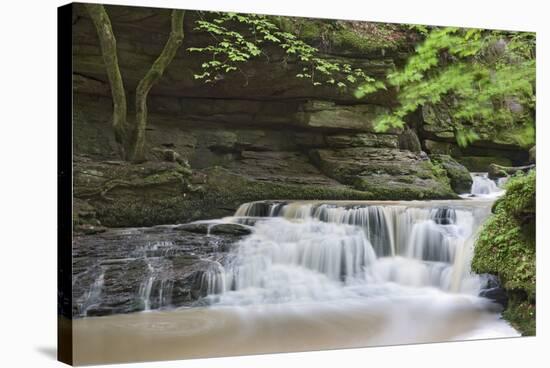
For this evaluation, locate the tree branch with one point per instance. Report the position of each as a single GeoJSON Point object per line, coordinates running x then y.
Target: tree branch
{"type": "Point", "coordinates": [153, 75]}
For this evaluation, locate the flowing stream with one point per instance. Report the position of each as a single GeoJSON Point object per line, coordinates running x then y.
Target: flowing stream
{"type": "Point", "coordinates": [319, 275]}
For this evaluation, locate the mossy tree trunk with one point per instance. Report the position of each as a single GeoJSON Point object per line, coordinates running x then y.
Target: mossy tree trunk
{"type": "Point", "coordinates": [107, 43]}
{"type": "Point", "coordinates": [153, 75]}
{"type": "Point", "coordinates": [131, 137]}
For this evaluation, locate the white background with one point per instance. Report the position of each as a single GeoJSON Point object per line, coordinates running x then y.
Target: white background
{"type": "Point", "coordinates": [28, 180]}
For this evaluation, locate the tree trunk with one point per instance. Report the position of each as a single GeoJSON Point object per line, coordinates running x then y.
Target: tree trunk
{"type": "Point", "coordinates": [107, 43]}
{"type": "Point", "coordinates": [153, 75]}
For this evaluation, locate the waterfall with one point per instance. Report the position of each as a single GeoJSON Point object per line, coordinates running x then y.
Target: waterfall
{"type": "Point", "coordinates": [146, 287]}
{"type": "Point", "coordinates": [213, 280]}
{"type": "Point", "coordinates": [317, 251]}
{"type": "Point", "coordinates": [301, 251]}
{"type": "Point", "coordinates": [93, 295]}
{"type": "Point", "coordinates": [482, 185]}
{"type": "Point", "coordinates": [287, 260]}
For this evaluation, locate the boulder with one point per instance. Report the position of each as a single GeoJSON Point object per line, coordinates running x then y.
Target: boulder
{"type": "Point", "coordinates": [215, 228]}
{"type": "Point", "coordinates": [385, 173]}
{"type": "Point", "coordinates": [497, 295]}
{"type": "Point", "coordinates": [408, 140]}
{"type": "Point", "coordinates": [461, 180]}
{"type": "Point", "coordinates": [441, 148]}
{"type": "Point", "coordinates": [126, 194]}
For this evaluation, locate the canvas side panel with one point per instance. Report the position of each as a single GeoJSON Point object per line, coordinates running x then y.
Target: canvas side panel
{"type": "Point", "coordinates": [64, 184]}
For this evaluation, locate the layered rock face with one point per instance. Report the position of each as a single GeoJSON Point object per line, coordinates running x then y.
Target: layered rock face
{"type": "Point", "coordinates": [266, 135]}
{"type": "Point", "coordinates": [438, 138]}
{"type": "Point", "coordinates": [130, 270]}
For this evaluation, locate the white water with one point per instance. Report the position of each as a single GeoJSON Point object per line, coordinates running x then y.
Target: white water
{"type": "Point", "coordinates": [146, 287]}
{"type": "Point", "coordinates": [308, 254]}
{"type": "Point", "coordinates": [332, 251]}
{"type": "Point", "coordinates": [483, 186]}
{"type": "Point", "coordinates": [92, 296]}
{"type": "Point", "coordinates": [318, 275]}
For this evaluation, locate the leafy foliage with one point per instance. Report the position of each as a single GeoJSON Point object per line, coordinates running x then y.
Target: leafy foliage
{"type": "Point", "coordinates": [484, 79]}
{"type": "Point", "coordinates": [231, 49]}
{"type": "Point", "coordinates": [522, 314]}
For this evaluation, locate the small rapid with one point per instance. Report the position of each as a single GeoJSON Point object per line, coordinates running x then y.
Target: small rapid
{"type": "Point", "coordinates": [483, 186]}
{"type": "Point", "coordinates": [323, 251]}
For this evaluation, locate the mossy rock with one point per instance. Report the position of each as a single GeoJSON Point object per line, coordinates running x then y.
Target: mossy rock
{"type": "Point", "coordinates": [388, 174]}
{"type": "Point", "coordinates": [459, 176]}
{"type": "Point", "coordinates": [408, 140]}
{"type": "Point", "coordinates": [125, 194]}
{"type": "Point", "coordinates": [330, 115]}
{"type": "Point", "coordinates": [441, 148]}
{"type": "Point", "coordinates": [348, 37]}
{"type": "Point", "coordinates": [506, 248]}
{"type": "Point", "coordinates": [226, 190]}
{"type": "Point", "coordinates": [521, 313]}
{"type": "Point", "coordinates": [481, 163]}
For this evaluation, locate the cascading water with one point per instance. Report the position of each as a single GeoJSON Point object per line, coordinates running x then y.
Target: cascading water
{"type": "Point", "coordinates": [482, 185]}
{"type": "Point", "coordinates": [315, 275]}
{"type": "Point", "coordinates": [92, 296]}
{"type": "Point", "coordinates": [326, 251]}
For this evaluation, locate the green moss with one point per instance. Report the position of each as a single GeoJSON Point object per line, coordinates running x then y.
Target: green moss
{"type": "Point", "coordinates": [440, 173]}
{"type": "Point", "coordinates": [520, 196]}
{"type": "Point", "coordinates": [417, 186]}
{"type": "Point", "coordinates": [355, 37]}
{"type": "Point", "coordinates": [506, 248]}
{"type": "Point", "coordinates": [458, 176]}
{"type": "Point", "coordinates": [502, 249]}
{"type": "Point", "coordinates": [363, 41]}
{"type": "Point", "coordinates": [226, 186]}
{"type": "Point", "coordinates": [403, 193]}
{"type": "Point", "coordinates": [481, 163]}
{"type": "Point", "coordinates": [523, 136]}
{"type": "Point", "coordinates": [521, 314]}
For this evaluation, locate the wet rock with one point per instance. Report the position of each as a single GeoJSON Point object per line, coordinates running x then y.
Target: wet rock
{"type": "Point", "coordinates": [89, 229]}
{"type": "Point", "coordinates": [497, 295]}
{"type": "Point", "coordinates": [210, 228]}
{"type": "Point", "coordinates": [491, 289]}
{"type": "Point", "coordinates": [99, 311]}
{"type": "Point", "coordinates": [130, 270]}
